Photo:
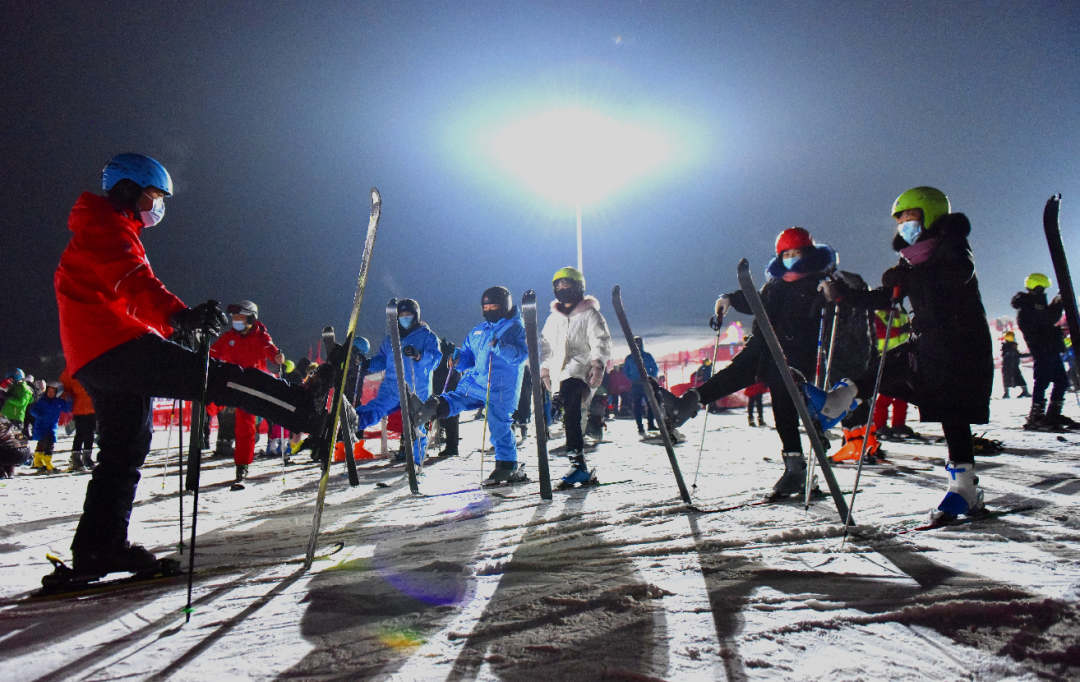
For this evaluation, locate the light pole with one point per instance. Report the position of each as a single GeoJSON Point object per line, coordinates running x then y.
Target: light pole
{"type": "Point", "coordinates": [575, 157]}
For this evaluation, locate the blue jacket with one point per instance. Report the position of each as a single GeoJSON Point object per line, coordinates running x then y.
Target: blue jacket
{"type": "Point", "coordinates": [417, 372]}
{"type": "Point", "coordinates": [630, 367]}
{"type": "Point", "coordinates": [47, 413]}
{"type": "Point", "coordinates": [507, 358]}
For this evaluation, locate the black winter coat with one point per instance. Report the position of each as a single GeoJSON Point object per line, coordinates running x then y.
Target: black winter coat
{"type": "Point", "coordinates": [795, 310]}
{"type": "Point", "coordinates": [1038, 320]}
{"type": "Point", "coordinates": [953, 374]}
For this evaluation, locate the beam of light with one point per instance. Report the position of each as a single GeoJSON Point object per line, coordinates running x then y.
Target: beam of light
{"type": "Point", "coordinates": [574, 157]}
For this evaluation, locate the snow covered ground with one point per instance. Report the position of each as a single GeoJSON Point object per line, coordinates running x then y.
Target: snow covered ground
{"type": "Point", "coordinates": [619, 582]}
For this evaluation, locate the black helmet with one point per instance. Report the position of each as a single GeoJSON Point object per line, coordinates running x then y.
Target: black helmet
{"type": "Point", "coordinates": [499, 296]}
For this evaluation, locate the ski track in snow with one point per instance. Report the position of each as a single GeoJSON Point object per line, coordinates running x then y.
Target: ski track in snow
{"type": "Point", "coordinates": [617, 582]}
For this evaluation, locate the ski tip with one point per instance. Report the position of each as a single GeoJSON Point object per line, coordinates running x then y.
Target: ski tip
{"type": "Point", "coordinates": [744, 264]}
{"type": "Point", "coordinates": [528, 298]}
{"type": "Point", "coordinates": [391, 305]}
{"type": "Point", "coordinates": [616, 290]}
{"type": "Point", "coordinates": [376, 198]}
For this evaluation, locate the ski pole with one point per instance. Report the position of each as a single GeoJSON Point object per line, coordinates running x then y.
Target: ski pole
{"type": "Point", "coordinates": [820, 342]}
{"type": "Point", "coordinates": [873, 404]}
{"type": "Point", "coordinates": [828, 377]}
{"type": "Point", "coordinates": [195, 458]}
{"type": "Point", "coordinates": [487, 409]}
{"type": "Point", "coordinates": [180, 476]}
{"type": "Point", "coordinates": [168, 442]}
{"type": "Point", "coordinates": [717, 323]}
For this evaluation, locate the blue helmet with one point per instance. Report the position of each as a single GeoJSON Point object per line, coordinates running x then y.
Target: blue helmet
{"type": "Point", "coordinates": [142, 170]}
{"type": "Point", "coordinates": [16, 374]}
{"type": "Point", "coordinates": [361, 345]}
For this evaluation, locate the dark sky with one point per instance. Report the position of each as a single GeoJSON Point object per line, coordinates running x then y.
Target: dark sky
{"type": "Point", "coordinates": [275, 118]}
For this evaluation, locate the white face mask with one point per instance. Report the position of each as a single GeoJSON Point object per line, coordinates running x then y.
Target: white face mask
{"type": "Point", "coordinates": [910, 231]}
{"type": "Point", "coordinates": [155, 214]}
{"type": "Point", "coordinates": [239, 326]}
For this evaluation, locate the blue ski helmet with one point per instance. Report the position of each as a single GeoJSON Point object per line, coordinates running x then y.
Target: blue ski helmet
{"type": "Point", "coordinates": [142, 170]}
{"type": "Point", "coordinates": [16, 374]}
{"type": "Point", "coordinates": [362, 345]}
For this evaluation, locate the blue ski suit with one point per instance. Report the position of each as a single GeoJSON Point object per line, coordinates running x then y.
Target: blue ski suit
{"type": "Point", "coordinates": [417, 376]}
{"type": "Point", "coordinates": [500, 347]}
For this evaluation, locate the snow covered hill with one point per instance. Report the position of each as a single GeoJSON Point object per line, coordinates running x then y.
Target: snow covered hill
{"type": "Point", "coordinates": [619, 582]}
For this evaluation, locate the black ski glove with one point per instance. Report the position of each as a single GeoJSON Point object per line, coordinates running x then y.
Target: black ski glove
{"type": "Point", "coordinates": [411, 352]}
{"type": "Point", "coordinates": [446, 347]}
{"type": "Point", "coordinates": [205, 317]}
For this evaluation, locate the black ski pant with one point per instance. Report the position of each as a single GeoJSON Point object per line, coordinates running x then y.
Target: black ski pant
{"type": "Point", "coordinates": [757, 401]}
{"type": "Point", "coordinates": [640, 405]}
{"type": "Point", "coordinates": [122, 381]}
{"type": "Point", "coordinates": [1049, 369]}
{"type": "Point", "coordinates": [85, 425]}
{"type": "Point", "coordinates": [898, 380]}
{"type": "Point", "coordinates": [573, 391]}
{"type": "Point", "coordinates": [743, 373]}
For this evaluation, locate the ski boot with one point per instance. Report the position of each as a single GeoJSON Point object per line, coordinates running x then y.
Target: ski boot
{"type": "Point", "coordinates": [905, 432]}
{"type": "Point", "coordinates": [506, 472]}
{"type": "Point", "coordinates": [962, 497]}
{"type": "Point", "coordinates": [853, 445]}
{"type": "Point", "coordinates": [1054, 418]}
{"type": "Point", "coordinates": [1036, 417]}
{"type": "Point", "coordinates": [241, 476]}
{"type": "Point", "coordinates": [829, 407]}
{"type": "Point", "coordinates": [751, 420]}
{"type": "Point", "coordinates": [127, 558]}
{"type": "Point", "coordinates": [677, 410]}
{"type": "Point", "coordinates": [793, 481]}
{"type": "Point", "coordinates": [578, 474]}
{"type": "Point", "coordinates": [76, 462]}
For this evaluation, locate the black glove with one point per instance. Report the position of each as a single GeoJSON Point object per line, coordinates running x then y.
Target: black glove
{"type": "Point", "coordinates": [362, 363]}
{"type": "Point", "coordinates": [205, 317]}
{"type": "Point", "coordinates": [446, 347]}
{"type": "Point", "coordinates": [410, 352]}
{"type": "Point", "coordinates": [896, 278]}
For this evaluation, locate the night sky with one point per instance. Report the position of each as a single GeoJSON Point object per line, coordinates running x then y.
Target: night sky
{"type": "Point", "coordinates": [275, 118]}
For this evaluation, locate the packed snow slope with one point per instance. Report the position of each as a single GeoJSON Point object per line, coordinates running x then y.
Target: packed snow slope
{"type": "Point", "coordinates": [619, 582]}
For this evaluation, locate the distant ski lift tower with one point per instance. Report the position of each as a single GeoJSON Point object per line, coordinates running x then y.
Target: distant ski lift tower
{"type": "Point", "coordinates": [575, 157]}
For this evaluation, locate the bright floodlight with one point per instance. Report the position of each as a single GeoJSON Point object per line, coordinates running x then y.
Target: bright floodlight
{"type": "Point", "coordinates": [575, 157]}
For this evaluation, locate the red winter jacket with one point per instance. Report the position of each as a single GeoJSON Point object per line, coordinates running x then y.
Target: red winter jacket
{"type": "Point", "coordinates": [247, 350]}
{"type": "Point", "coordinates": [105, 289]}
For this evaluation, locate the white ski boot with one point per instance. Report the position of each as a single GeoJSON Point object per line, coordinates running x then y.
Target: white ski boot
{"type": "Point", "coordinates": [962, 497]}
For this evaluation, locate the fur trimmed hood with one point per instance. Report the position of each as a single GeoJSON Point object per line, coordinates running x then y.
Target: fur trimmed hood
{"type": "Point", "coordinates": [587, 302]}
{"type": "Point", "coordinates": [818, 259]}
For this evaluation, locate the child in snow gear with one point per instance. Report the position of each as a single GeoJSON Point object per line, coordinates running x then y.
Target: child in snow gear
{"type": "Point", "coordinates": [755, 395]}
{"type": "Point", "coordinates": [575, 346]}
{"type": "Point", "coordinates": [115, 317]}
{"type": "Point", "coordinates": [420, 351]}
{"type": "Point", "coordinates": [947, 367]}
{"type": "Point", "coordinates": [1010, 366]}
{"type": "Point", "coordinates": [795, 308]}
{"type": "Point", "coordinates": [445, 378]}
{"type": "Point", "coordinates": [887, 339]}
{"type": "Point", "coordinates": [1038, 320]}
{"type": "Point", "coordinates": [491, 360]}
{"type": "Point", "coordinates": [638, 403]}
{"type": "Point", "coordinates": [82, 413]}
{"type": "Point", "coordinates": [19, 397]}
{"type": "Point", "coordinates": [247, 344]}
{"type": "Point", "coordinates": [47, 410]}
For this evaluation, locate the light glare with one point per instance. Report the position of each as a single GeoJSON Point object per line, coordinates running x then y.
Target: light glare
{"type": "Point", "coordinates": [576, 157]}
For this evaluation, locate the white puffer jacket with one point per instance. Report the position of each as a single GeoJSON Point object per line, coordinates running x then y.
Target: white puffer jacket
{"type": "Point", "coordinates": [570, 344]}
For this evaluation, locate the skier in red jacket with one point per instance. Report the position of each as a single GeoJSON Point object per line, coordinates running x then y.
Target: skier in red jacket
{"type": "Point", "coordinates": [115, 316]}
{"type": "Point", "coordinates": [247, 344]}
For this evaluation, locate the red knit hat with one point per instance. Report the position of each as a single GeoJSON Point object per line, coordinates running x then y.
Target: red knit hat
{"type": "Point", "coordinates": [793, 238]}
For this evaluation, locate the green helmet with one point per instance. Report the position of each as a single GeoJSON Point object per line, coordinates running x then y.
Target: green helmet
{"type": "Point", "coordinates": [1037, 279]}
{"type": "Point", "coordinates": [569, 273]}
{"type": "Point", "coordinates": [933, 203]}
